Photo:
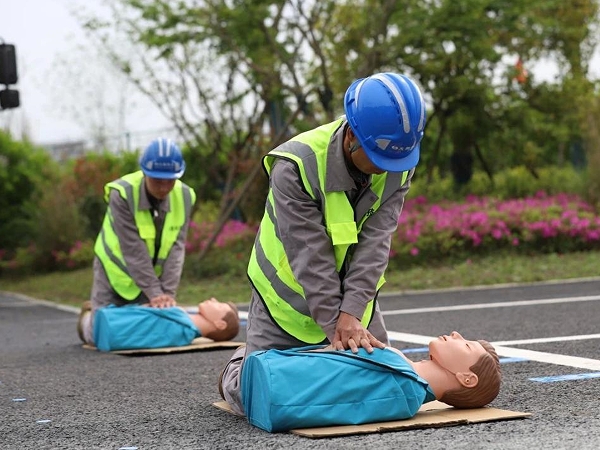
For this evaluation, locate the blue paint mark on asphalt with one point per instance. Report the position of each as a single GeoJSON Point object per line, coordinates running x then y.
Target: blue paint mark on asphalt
{"type": "Point", "coordinates": [572, 377]}
{"type": "Point", "coordinates": [415, 350]}
{"type": "Point", "coordinates": [512, 360]}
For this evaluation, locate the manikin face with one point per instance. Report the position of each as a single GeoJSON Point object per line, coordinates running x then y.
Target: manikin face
{"type": "Point", "coordinates": [159, 188]}
{"type": "Point", "coordinates": [213, 310]}
{"type": "Point", "coordinates": [454, 353]}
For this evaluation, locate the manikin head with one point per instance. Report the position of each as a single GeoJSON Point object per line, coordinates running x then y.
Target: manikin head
{"type": "Point", "coordinates": [217, 320]}
{"type": "Point", "coordinates": [472, 370]}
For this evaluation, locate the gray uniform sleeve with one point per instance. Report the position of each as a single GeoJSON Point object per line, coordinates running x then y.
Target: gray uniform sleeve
{"type": "Point", "coordinates": [307, 245]}
{"type": "Point", "coordinates": [371, 253]}
{"type": "Point", "coordinates": [310, 251]}
{"type": "Point", "coordinates": [173, 265]}
{"type": "Point", "coordinates": [133, 247]}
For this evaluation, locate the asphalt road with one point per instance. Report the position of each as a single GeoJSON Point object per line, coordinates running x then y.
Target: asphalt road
{"type": "Point", "coordinates": [56, 395]}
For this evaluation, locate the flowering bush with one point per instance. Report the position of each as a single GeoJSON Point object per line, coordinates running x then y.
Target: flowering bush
{"type": "Point", "coordinates": [542, 223]}
{"type": "Point", "coordinates": [233, 230]}
{"type": "Point", "coordinates": [229, 253]}
{"type": "Point", "coordinates": [426, 232]}
{"type": "Point", "coordinates": [21, 261]}
{"type": "Point", "coordinates": [80, 255]}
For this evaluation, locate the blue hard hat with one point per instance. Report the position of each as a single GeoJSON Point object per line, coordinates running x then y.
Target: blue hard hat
{"type": "Point", "coordinates": [386, 112]}
{"type": "Point", "coordinates": [162, 159]}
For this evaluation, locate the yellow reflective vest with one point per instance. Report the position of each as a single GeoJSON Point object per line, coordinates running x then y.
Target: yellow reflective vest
{"type": "Point", "coordinates": [269, 269]}
{"type": "Point", "coordinates": [107, 247]}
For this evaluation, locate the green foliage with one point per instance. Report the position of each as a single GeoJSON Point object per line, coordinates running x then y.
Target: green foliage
{"type": "Point", "coordinates": [24, 261]}
{"type": "Point", "coordinates": [59, 226]}
{"type": "Point", "coordinates": [592, 146]}
{"type": "Point", "coordinates": [26, 172]}
{"type": "Point", "coordinates": [79, 255]}
{"type": "Point", "coordinates": [230, 259]}
{"type": "Point", "coordinates": [515, 182]}
{"type": "Point", "coordinates": [85, 180]}
{"type": "Point", "coordinates": [206, 211]}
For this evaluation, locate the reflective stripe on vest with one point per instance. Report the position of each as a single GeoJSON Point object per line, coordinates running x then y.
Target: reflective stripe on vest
{"type": "Point", "coordinates": [108, 248]}
{"type": "Point", "coordinates": [269, 269]}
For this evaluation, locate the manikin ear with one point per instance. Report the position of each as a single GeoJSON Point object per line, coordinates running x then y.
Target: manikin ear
{"type": "Point", "coordinates": [467, 379]}
{"type": "Point", "coordinates": [220, 324]}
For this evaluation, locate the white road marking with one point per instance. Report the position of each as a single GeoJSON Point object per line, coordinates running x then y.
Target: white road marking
{"type": "Point", "coordinates": [580, 337]}
{"type": "Point", "coordinates": [545, 301]}
{"type": "Point", "coordinates": [549, 358]}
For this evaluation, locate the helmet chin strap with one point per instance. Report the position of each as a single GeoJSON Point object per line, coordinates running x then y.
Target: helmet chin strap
{"type": "Point", "coordinates": [354, 146]}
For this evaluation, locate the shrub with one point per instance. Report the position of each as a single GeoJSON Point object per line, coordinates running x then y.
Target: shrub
{"type": "Point", "coordinates": [78, 256]}
{"type": "Point", "coordinates": [85, 180]}
{"type": "Point", "coordinates": [26, 172]}
{"type": "Point", "coordinates": [542, 223]}
{"type": "Point", "coordinates": [22, 261]}
{"type": "Point", "coordinates": [516, 182]}
{"type": "Point", "coordinates": [228, 255]}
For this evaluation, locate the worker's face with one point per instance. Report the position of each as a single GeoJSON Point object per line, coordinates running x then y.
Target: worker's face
{"type": "Point", "coordinates": [213, 310]}
{"type": "Point", "coordinates": [363, 163]}
{"type": "Point", "coordinates": [358, 156]}
{"type": "Point", "coordinates": [454, 353]}
{"type": "Point", "coordinates": [159, 188]}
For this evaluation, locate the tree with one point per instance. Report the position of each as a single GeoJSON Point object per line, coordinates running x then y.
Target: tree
{"type": "Point", "coordinates": [237, 76]}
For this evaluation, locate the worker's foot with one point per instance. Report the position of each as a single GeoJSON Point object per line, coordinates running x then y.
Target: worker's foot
{"type": "Point", "coordinates": [86, 310]}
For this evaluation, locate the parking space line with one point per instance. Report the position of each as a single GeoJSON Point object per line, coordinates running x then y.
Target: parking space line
{"type": "Point", "coordinates": [544, 301]}
{"type": "Point", "coordinates": [549, 358]}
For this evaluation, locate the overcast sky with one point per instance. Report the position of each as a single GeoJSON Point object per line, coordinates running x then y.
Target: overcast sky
{"type": "Point", "coordinates": [45, 32]}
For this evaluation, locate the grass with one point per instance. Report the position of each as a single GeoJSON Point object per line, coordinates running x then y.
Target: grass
{"type": "Point", "coordinates": [72, 288]}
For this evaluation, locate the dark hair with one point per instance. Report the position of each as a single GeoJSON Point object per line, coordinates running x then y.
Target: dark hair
{"type": "Point", "coordinates": [487, 369]}
{"type": "Point", "coordinates": [232, 328]}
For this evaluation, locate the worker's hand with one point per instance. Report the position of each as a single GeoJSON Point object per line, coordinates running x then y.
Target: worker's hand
{"type": "Point", "coordinates": [162, 301]}
{"type": "Point", "coordinates": [350, 334]}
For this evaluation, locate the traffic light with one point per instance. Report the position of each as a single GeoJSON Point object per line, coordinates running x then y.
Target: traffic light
{"type": "Point", "coordinates": [9, 98]}
{"type": "Point", "coordinates": [8, 64]}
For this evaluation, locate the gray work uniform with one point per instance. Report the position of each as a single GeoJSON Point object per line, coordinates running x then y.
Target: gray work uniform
{"type": "Point", "coordinates": [300, 220]}
{"type": "Point", "coordinates": [138, 261]}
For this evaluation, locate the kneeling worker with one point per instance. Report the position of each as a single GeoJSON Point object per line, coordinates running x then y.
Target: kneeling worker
{"type": "Point", "coordinates": [140, 250]}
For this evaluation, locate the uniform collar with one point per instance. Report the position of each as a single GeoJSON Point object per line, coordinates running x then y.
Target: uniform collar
{"type": "Point", "coordinates": [338, 177]}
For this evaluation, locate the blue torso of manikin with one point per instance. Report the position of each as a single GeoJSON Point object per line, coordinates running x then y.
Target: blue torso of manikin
{"type": "Point", "coordinates": [300, 388]}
